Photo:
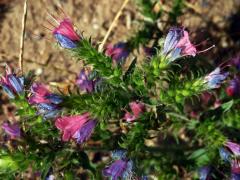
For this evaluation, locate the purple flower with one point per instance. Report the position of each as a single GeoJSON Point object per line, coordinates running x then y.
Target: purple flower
{"type": "Point", "coordinates": [204, 172]}
{"type": "Point", "coordinates": [233, 147]}
{"type": "Point", "coordinates": [236, 62]}
{"type": "Point", "coordinates": [65, 34]}
{"type": "Point", "coordinates": [66, 29]}
{"type": "Point", "coordinates": [177, 44]}
{"type": "Point", "coordinates": [45, 101]}
{"type": "Point", "coordinates": [79, 127]}
{"type": "Point", "coordinates": [117, 52]}
{"type": "Point", "coordinates": [50, 177]}
{"type": "Point", "coordinates": [65, 42]}
{"type": "Point", "coordinates": [137, 109]}
{"type": "Point", "coordinates": [12, 84]}
{"type": "Point", "coordinates": [48, 111]}
{"type": "Point", "coordinates": [225, 154]}
{"type": "Point", "coordinates": [235, 176]}
{"type": "Point", "coordinates": [84, 82]}
{"type": "Point", "coordinates": [12, 129]}
{"type": "Point", "coordinates": [119, 169]}
{"type": "Point", "coordinates": [84, 133]}
{"type": "Point", "coordinates": [234, 87]}
{"type": "Point", "coordinates": [39, 93]}
{"type": "Point", "coordinates": [215, 78]}
{"type": "Point", "coordinates": [144, 178]}
{"type": "Point", "coordinates": [54, 98]}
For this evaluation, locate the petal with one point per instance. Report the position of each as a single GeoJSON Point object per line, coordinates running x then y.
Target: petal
{"type": "Point", "coordinates": [9, 92]}
{"type": "Point", "coordinates": [65, 42]}
{"type": "Point", "coordinates": [15, 83]}
{"type": "Point", "coordinates": [66, 29]}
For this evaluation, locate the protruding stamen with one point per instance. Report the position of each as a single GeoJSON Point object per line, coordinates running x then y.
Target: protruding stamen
{"type": "Point", "coordinates": [47, 28]}
{"type": "Point", "coordinates": [54, 18]}
{"type": "Point", "coordinates": [62, 11]}
{"type": "Point", "coordinates": [39, 36]}
{"type": "Point", "coordinates": [51, 24]}
{"type": "Point", "coordinates": [206, 49]}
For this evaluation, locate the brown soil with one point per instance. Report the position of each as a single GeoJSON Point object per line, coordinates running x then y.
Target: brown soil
{"type": "Point", "coordinates": [93, 17]}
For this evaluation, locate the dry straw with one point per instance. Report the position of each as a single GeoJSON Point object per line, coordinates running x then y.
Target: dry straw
{"type": "Point", "coordinates": [114, 23]}
{"type": "Point", "coordinates": [24, 18]}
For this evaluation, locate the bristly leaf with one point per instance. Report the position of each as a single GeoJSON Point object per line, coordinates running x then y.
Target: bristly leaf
{"type": "Point", "coordinates": [100, 62]}
{"type": "Point", "coordinates": [130, 69]}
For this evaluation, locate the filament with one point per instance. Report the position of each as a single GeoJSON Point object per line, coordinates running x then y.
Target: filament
{"type": "Point", "coordinates": [206, 49]}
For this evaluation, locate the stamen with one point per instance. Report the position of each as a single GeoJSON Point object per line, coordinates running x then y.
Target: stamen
{"type": "Point", "coordinates": [206, 49]}
{"type": "Point", "coordinates": [39, 36]}
{"type": "Point", "coordinates": [51, 24]}
{"type": "Point", "coordinates": [224, 64]}
{"type": "Point", "coordinates": [47, 28]}
{"type": "Point", "coordinates": [61, 9]}
{"type": "Point", "coordinates": [56, 20]}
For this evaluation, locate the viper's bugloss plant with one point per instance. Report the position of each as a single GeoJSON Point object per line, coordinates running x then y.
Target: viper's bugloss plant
{"type": "Point", "coordinates": [171, 117]}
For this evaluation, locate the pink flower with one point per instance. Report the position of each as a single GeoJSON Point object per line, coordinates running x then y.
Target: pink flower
{"type": "Point", "coordinates": [66, 29]}
{"type": "Point", "coordinates": [234, 147]}
{"type": "Point", "coordinates": [217, 103]}
{"type": "Point", "coordinates": [206, 98]}
{"type": "Point", "coordinates": [177, 44]}
{"type": "Point", "coordinates": [39, 94]}
{"type": "Point", "coordinates": [45, 101]}
{"type": "Point", "coordinates": [77, 127]}
{"type": "Point", "coordinates": [137, 110]}
{"type": "Point", "coordinates": [118, 52]}
{"type": "Point", "coordinates": [194, 114]}
{"type": "Point", "coordinates": [187, 48]}
{"type": "Point", "coordinates": [233, 88]}
{"type": "Point", "coordinates": [235, 166]}
{"type": "Point", "coordinates": [64, 32]}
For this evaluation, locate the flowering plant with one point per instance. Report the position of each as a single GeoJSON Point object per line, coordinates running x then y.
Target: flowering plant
{"type": "Point", "coordinates": [135, 111]}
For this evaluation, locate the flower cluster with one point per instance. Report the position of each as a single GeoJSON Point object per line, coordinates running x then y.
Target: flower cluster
{"type": "Point", "coordinates": [46, 102]}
